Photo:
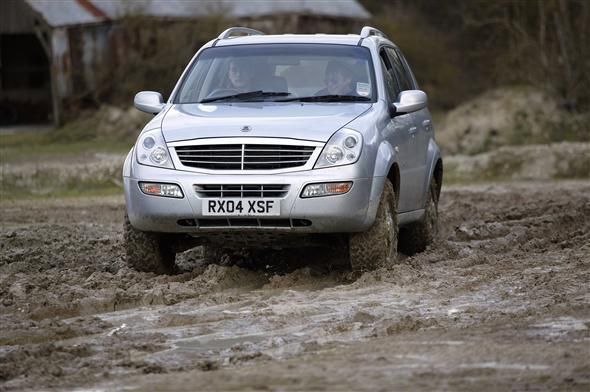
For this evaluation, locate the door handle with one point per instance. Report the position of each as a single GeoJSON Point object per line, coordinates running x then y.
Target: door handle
{"type": "Point", "coordinates": [412, 131]}
{"type": "Point", "coordinates": [427, 124]}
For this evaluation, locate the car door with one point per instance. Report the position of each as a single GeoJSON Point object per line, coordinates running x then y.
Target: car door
{"type": "Point", "coordinates": [413, 186]}
{"type": "Point", "coordinates": [423, 121]}
{"type": "Point", "coordinates": [398, 134]}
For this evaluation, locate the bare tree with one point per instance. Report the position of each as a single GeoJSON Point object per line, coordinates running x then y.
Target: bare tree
{"type": "Point", "coordinates": [546, 43]}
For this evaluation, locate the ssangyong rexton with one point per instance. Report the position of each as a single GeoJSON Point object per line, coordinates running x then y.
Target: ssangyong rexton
{"type": "Point", "coordinates": [285, 141]}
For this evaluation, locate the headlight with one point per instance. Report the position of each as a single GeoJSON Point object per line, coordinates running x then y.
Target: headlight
{"type": "Point", "coordinates": [152, 151]}
{"type": "Point", "coordinates": [343, 148]}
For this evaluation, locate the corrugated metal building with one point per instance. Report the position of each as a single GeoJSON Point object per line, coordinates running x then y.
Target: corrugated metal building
{"type": "Point", "coordinates": [50, 49]}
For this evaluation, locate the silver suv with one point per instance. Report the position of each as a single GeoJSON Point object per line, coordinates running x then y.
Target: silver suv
{"type": "Point", "coordinates": [285, 141]}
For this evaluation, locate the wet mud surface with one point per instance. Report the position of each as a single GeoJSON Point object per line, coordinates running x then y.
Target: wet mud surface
{"type": "Point", "coordinates": [500, 301]}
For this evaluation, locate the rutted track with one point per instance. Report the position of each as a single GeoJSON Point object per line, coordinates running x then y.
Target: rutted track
{"type": "Point", "coordinates": [501, 300]}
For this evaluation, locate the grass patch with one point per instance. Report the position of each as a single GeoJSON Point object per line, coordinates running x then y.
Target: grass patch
{"type": "Point", "coordinates": [27, 146]}
{"type": "Point", "coordinates": [11, 191]}
{"type": "Point", "coordinates": [108, 130]}
{"type": "Point", "coordinates": [87, 192]}
{"type": "Point", "coordinates": [43, 164]}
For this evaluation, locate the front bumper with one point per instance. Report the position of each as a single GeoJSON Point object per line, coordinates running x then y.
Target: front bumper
{"type": "Point", "coordinates": [328, 214]}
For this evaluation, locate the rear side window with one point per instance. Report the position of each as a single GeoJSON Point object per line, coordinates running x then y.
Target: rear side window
{"type": "Point", "coordinates": [405, 80]}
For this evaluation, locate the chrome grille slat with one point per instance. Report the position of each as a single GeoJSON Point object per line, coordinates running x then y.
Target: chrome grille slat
{"type": "Point", "coordinates": [208, 150]}
{"type": "Point", "coordinates": [244, 156]}
{"type": "Point", "coordinates": [222, 162]}
{"type": "Point", "coordinates": [278, 156]}
{"type": "Point", "coordinates": [260, 162]}
{"type": "Point", "coordinates": [266, 150]}
{"type": "Point", "coordinates": [208, 156]}
{"type": "Point", "coordinates": [205, 191]}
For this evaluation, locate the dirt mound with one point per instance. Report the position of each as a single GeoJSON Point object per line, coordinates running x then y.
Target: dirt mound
{"type": "Point", "coordinates": [535, 162]}
{"type": "Point", "coordinates": [106, 123]}
{"type": "Point", "coordinates": [126, 123]}
{"type": "Point", "coordinates": [509, 116]}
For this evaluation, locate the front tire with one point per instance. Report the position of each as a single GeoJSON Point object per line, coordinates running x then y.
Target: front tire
{"type": "Point", "coordinates": [148, 252]}
{"type": "Point", "coordinates": [376, 247]}
{"type": "Point", "coordinates": [415, 237]}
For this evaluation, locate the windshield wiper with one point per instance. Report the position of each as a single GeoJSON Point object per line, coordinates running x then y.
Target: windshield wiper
{"type": "Point", "coordinates": [326, 98]}
{"type": "Point", "coordinates": [247, 95]}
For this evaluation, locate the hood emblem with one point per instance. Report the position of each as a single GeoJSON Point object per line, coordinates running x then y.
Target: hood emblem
{"type": "Point", "coordinates": [246, 128]}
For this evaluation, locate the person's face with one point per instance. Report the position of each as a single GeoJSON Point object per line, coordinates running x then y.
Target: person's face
{"type": "Point", "coordinates": [338, 84]}
{"type": "Point", "coordinates": [239, 76]}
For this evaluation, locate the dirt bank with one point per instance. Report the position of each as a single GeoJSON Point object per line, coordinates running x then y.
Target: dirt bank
{"type": "Point", "coordinates": [500, 301]}
{"type": "Point", "coordinates": [509, 116]}
{"type": "Point", "coordinates": [532, 162]}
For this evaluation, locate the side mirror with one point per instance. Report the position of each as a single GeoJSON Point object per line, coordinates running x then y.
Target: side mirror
{"type": "Point", "coordinates": [149, 102]}
{"type": "Point", "coordinates": [410, 101]}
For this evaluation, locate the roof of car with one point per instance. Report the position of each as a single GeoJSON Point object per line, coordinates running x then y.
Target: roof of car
{"type": "Point", "coordinates": [342, 39]}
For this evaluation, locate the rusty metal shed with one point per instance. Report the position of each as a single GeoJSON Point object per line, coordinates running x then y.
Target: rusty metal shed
{"type": "Point", "coordinates": [50, 49]}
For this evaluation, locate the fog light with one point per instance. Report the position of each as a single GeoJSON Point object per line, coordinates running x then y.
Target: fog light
{"type": "Point", "coordinates": [166, 190]}
{"type": "Point", "coordinates": [326, 189]}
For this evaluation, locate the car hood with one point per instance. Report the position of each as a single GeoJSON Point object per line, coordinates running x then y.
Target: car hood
{"type": "Point", "coordinates": [307, 121]}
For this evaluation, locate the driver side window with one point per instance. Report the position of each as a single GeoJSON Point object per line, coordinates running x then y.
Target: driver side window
{"type": "Point", "coordinates": [388, 76]}
{"type": "Point", "coordinates": [402, 76]}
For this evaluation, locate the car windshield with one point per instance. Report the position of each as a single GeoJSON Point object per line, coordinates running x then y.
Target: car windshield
{"type": "Point", "coordinates": [285, 72]}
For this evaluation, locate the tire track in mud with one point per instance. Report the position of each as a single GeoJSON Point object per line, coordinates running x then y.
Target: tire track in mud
{"type": "Point", "coordinates": [512, 263]}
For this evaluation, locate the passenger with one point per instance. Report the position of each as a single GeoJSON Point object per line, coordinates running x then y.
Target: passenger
{"type": "Point", "coordinates": [241, 75]}
{"type": "Point", "coordinates": [338, 80]}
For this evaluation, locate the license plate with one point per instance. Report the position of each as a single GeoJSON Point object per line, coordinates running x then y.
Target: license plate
{"type": "Point", "coordinates": [241, 207]}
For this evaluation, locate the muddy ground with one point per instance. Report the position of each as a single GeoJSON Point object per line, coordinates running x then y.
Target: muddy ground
{"type": "Point", "coordinates": [500, 302]}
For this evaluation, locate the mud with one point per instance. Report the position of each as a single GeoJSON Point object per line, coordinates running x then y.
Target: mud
{"type": "Point", "coordinates": [500, 301]}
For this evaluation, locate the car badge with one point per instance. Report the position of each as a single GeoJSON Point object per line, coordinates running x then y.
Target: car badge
{"type": "Point", "coordinates": [246, 128]}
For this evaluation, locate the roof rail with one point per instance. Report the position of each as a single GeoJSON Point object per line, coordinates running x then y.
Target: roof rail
{"type": "Point", "coordinates": [368, 31]}
{"type": "Point", "coordinates": [229, 33]}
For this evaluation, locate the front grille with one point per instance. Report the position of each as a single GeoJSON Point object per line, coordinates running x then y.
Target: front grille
{"type": "Point", "coordinates": [244, 156]}
{"type": "Point", "coordinates": [205, 191]}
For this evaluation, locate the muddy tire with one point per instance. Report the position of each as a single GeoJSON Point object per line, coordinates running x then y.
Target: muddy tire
{"type": "Point", "coordinates": [377, 246]}
{"type": "Point", "coordinates": [415, 237]}
{"type": "Point", "coordinates": [148, 252]}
